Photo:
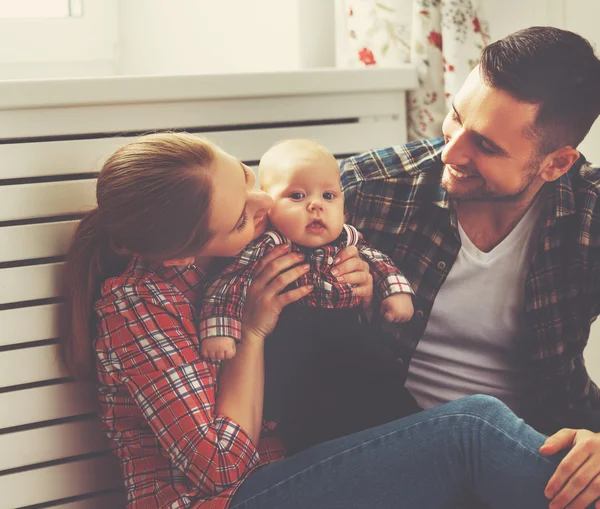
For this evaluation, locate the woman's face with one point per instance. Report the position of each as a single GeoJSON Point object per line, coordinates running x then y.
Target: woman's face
{"type": "Point", "coordinates": [238, 211]}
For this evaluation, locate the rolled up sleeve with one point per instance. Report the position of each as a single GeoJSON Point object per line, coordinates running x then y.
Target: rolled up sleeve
{"type": "Point", "coordinates": [155, 354]}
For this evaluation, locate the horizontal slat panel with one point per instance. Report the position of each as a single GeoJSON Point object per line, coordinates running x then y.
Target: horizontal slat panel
{"type": "Point", "coordinates": [46, 199]}
{"type": "Point", "coordinates": [30, 283]}
{"type": "Point", "coordinates": [24, 325]}
{"type": "Point", "coordinates": [339, 139]}
{"type": "Point", "coordinates": [45, 403]}
{"type": "Point", "coordinates": [28, 365]}
{"type": "Point", "coordinates": [57, 482]}
{"type": "Point", "coordinates": [51, 443]}
{"type": "Point", "coordinates": [60, 198]}
{"type": "Point", "coordinates": [110, 501]}
{"type": "Point", "coordinates": [172, 115]}
{"type": "Point", "coordinates": [26, 242]}
{"type": "Point", "coordinates": [20, 160]}
{"type": "Point", "coordinates": [81, 156]}
{"type": "Point", "coordinates": [35, 240]}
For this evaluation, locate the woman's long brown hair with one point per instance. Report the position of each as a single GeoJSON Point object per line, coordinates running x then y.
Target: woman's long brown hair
{"type": "Point", "coordinates": [153, 200]}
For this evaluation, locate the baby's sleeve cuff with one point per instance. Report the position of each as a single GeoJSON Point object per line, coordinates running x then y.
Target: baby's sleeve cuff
{"type": "Point", "coordinates": [219, 326]}
{"type": "Point", "coordinates": [393, 284]}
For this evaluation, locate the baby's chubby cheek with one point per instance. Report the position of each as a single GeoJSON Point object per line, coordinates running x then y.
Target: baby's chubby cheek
{"type": "Point", "coordinates": [283, 221]}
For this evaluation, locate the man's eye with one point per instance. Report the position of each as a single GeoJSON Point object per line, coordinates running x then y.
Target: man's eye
{"type": "Point", "coordinates": [328, 196]}
{"type": "Point", "coordinates": [485, 147]}
{"type": "Point", "coordinates": [297, 196]}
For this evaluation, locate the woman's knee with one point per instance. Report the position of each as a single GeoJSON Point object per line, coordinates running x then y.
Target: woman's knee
{"type": "Point", "coordinates": [482, 406]}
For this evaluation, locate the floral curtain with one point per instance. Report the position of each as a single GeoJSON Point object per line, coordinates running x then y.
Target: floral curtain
{"type": "Point", "coordinates": [443, 38]}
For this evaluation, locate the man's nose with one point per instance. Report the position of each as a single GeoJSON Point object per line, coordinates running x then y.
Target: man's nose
{"type": "Point", "coordinates": [456, 151]}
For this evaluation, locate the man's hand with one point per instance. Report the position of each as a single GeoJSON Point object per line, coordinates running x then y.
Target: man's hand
{"type": "Point", "coordinates": [576, 482]}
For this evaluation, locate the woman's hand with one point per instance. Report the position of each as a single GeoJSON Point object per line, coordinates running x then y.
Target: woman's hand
{"type": "Point", "coordinates": [265, 301]}
{"type": "Point", "coordinates": [349, 267]}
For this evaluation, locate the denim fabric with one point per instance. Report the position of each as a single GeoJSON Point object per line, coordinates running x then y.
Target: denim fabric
{"type": "Point", "coordinates": [472, 448]}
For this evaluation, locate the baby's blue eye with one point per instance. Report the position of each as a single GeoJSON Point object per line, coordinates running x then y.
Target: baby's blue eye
{"type": "Point", "coordinates": [328, 196]}
{"type": "Point", "coordinates": [297, 196]}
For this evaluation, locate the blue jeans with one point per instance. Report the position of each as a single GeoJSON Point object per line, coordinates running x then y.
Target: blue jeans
{"type": "Point", "coordinates": [446, 457]}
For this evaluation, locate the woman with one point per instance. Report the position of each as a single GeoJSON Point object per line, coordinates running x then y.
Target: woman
{"type": "Point", "coordinates": [190, 433]}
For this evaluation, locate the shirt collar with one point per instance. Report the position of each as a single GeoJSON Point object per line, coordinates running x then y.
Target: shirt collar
{"type": "Point", "coordinates": [441, 197]}
{"type": "Point", "coordinates": [186, 279]}
{"type": "Point", "coordinates": [563, 197]}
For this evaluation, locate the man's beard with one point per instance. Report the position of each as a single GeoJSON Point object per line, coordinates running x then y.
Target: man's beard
{"type": "Point", "coordinates": [485, 194]}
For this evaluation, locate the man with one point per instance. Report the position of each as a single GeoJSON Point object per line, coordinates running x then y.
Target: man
{"type": "Point", "coordinates": [497, 228]}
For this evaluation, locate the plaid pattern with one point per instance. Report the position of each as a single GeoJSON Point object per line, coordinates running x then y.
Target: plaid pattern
{"type": "Point", "coordinates": [157, 395]}
{"type": "Point", "coordinates": [221, 313]}
{"type": "Point", "coordinates": [394, 197]}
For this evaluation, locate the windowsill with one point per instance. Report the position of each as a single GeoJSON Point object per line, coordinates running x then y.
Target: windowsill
{"type": "Point", "coordinates": [49, 93]}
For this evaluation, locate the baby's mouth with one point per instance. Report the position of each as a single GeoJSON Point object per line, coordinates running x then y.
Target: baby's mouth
{"type": "Point", "coordinates": [315, 225]}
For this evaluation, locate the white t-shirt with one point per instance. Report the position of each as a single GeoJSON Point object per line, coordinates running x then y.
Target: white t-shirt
{"type": "Point", "coordinates": [471, 343]}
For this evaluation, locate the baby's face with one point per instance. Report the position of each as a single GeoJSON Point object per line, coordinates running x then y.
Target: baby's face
{"type": "Point", "coordinates": [308, 201]}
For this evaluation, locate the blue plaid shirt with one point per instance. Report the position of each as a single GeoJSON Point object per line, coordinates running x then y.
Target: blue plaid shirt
{"type": "Point", "coordinates": [393, 196]}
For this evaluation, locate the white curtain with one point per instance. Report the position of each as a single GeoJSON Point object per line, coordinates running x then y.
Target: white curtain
{"type": "Point", "coordinates": [443, 38]}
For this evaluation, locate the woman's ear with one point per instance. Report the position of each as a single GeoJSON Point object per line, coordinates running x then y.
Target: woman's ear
{"type": "Point", "coordinates": [179, 262]}
{"type": "Point", "coordinates": [558, 163]}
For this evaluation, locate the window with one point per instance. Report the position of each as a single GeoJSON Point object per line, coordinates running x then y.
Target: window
{"type": "Point", "coordinates": [57, 38]}
{"type": "Point", "coordinates": [35, 9]}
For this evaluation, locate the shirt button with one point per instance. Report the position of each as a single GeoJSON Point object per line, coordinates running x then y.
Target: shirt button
{"type": "Point", "coordinates": [420, 313]}
{"type": "Point", "coordinates": [330, 260]}
{"type": "Point", "coordinates": [400, 361]}
{"type": "Point", "coordinates": [441, 265]}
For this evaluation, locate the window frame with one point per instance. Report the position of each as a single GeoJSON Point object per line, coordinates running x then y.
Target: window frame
{"type": "Point", "coordinates": [90, 38]}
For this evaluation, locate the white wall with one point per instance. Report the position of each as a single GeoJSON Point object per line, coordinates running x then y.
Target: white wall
{"type": "Point", "coordinates": [208, 36]}
{"type": "Point", "coordinates": [580, 16]}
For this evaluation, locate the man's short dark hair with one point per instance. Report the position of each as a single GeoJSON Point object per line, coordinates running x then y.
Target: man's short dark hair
{"type": "Point", "coordinates": [555, 69]}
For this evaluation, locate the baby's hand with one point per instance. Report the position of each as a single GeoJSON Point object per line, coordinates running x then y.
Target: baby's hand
{"type": "Point", "coordinates": [397, 308]}
{"type": "Point", "coordinates": [218, 348]}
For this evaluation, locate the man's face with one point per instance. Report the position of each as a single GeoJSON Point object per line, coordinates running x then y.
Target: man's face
{"type": "Point", "coordinates": [488, 154]}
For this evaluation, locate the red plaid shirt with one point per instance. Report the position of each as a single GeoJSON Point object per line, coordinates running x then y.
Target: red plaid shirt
{"type": "Point", "coordinates": [157, 395]}
{"type": "Point", "coordinates": [223, 307]}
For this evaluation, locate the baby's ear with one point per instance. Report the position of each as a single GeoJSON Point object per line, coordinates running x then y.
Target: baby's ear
{"type": "Point", "coordinates": [179, 262]}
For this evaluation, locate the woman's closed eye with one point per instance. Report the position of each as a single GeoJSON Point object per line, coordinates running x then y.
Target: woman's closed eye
{"type": "Point", "coordinates": [243, 224]}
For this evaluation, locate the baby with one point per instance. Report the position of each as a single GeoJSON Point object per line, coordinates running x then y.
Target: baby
{"type": "Point", "coordinates": [328, 373]}
{"type": "Point", "coordinates": [304, 180]}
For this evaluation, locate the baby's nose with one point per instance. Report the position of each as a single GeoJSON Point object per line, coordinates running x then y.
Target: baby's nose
{"type": "Point", "coordinates": [315, 204]}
